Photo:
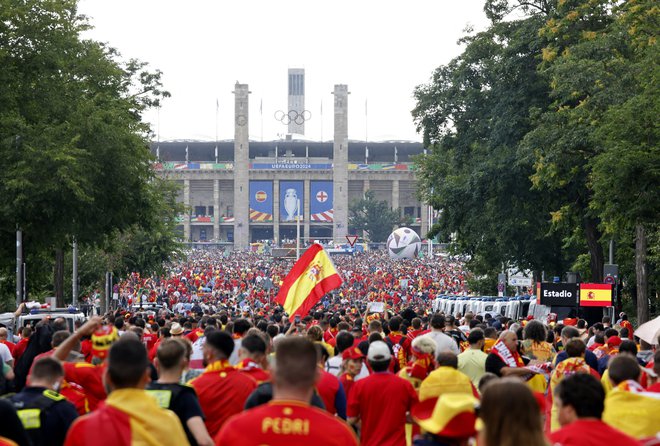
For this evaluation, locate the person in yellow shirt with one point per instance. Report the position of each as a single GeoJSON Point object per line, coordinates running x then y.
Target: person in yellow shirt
{"type": "Point", "coordinates": [472, 362]}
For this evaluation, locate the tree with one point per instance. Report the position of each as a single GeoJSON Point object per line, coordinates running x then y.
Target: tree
{"type": "Point", "coordinates": [626, 173]}
{"type": "Point", "coordinates": [373, 217]}
{"type": "Point", "coordinates": [474, 113]}
{"type": "Point", "coordinates": [74, 157]}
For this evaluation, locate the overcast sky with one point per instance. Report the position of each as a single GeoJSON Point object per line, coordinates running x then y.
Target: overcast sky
{"type": "Point", "coordinates": [380, 49]}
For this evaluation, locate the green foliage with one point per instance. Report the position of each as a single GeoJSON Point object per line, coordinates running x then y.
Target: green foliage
{"type": "Point", "coordinates": [544, 136]}
{"type": "Point", "coordinates": [74, 157]}
{"type": "Point", "coordinates": [373, 217]}
{"type": "Point", "coordinates": [474, 113]}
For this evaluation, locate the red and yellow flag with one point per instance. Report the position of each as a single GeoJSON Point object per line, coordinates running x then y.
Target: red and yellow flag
{"type": "Point", "coordinates": [311, 277]}
{"type": "Point", "coordinates": [595, 295]}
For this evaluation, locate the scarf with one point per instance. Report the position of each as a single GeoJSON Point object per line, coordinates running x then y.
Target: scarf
{"type": "Point", "coordinates": [248, 364]}
{"type": "Point", "coordinates": [511, 359]}
{"type": "Point", "coordinates": [218, 366]}
{"type": "Point", "coordinates": [148, 423]}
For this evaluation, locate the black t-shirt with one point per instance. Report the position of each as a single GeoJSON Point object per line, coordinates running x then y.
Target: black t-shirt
{"type": "Point", "coordinates": [495, 365]}
{"type": "Point", "coordinates": [182, 400]}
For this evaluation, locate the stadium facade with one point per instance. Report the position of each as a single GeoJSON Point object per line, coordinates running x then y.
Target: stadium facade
{"type": "Point", "coordinates": [244, 191]}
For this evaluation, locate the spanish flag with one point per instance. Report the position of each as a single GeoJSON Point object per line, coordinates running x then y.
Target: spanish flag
{"type": "Point", "coordinates": [595, 295]}
{"type": "Point", "coordinates": [311, 277]}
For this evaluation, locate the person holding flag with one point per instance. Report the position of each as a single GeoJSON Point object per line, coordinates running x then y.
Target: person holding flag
{"type": "Point", "coordinates": [309, 280]}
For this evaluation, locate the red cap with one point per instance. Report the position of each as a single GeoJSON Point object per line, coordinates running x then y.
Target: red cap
{"type": "Point", "coordinates": [352, 353]}
{"type": "Point", "coordinates": [613, 341]}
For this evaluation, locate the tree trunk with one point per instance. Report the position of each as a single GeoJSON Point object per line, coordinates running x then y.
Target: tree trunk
{"type": "Point", "coordinates": [595, 249]}
{"type": "Point", "coordinates": [641, 274]}
{"type": "Point", "coordinates": [58, 277]}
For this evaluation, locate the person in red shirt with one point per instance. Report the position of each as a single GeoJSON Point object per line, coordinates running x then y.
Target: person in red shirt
{"type": "Point", "coordinates": [252, 355]}
{"type": "Point", "coordinates": [22, 344]}
{"type": "Point", "coordinates": [222, 389]}
{"type": "Point", "coordinates": [288, 419]}
{"type": "Point", "coordinates": [329, 388]}
{"type": "Point", "coordinates": [654, 365]}
{"type": "Point", "coordinates": [381, 401]}
{"type": "Point", "coordinates": [129, 415]}
{"type": "Point", "coordinates": [352, 365]}
{"type": "Point", "coordinates": [580, 399]}
{"type": "Point", "coordinates": [86, 375]}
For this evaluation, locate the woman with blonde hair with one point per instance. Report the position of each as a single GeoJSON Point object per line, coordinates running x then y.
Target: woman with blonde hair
{"type": "Point", "coordinates": [511, 415]}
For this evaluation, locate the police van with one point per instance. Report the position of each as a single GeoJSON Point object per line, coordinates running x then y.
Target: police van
{"type": "Point", "coordinates": [32, 313]}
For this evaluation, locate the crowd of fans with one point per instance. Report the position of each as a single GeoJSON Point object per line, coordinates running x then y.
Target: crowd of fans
{"type": "Point", "coordinates": [205, 356]}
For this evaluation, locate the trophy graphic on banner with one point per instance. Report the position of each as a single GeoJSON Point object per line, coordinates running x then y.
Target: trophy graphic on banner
{"type": "Point", "coordinates": [291, 204]}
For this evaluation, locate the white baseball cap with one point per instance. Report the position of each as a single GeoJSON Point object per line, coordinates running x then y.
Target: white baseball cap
{"type": "Point", "coordinates": [379, 351]}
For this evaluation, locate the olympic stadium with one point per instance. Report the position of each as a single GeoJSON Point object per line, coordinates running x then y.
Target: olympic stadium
{"type": "Point", "coordinates": [240, 191]}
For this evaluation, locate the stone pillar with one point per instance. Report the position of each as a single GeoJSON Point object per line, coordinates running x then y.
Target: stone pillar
{"type": "Point", "coordinates": [307, 215]}
{"type": "Point", "coordinates": [340, 164]}
{"type": "Point", "coordinates": [395, 196]}
{"type": "Point", "coordinates": [241, 165]}
{"type": "Point", "coordinates": [365, 186]}
{"type": "Point", "coordinates": [276, 211]}
{"type": "Point", "coordinates": [425, 220]}
{"type": "Point", "coordinates": [216, 209]}
{"type": "Point", "coordinates": [186, 203]}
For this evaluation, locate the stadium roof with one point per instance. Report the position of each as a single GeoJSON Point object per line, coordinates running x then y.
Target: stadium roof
{"type": "Point", "coordinates": [201, 151]}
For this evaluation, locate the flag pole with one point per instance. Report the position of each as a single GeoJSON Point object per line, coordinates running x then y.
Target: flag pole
{"type": "Point", "coordinates": [297, 228]}
{"type": "Point", "coordinates": [217, 107]}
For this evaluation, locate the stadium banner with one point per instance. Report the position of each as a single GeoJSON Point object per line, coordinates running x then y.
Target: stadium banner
{"type": "Point", "coordinates": [559, 294]}
{"type": "Point", "coordinates": [290, 193]}
{"type": "Point", "coordinates": [261, 201]}
{"type": "Point", "coordinates": [282, 165]}
{"type": "Point", "coordinates": [595, 294]}
{"type": "Point", "coordinates": [321, 201]}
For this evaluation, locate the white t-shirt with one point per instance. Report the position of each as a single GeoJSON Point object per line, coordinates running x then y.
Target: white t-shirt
{"type": "Point", "coordinates": [444, 343]}
{"type": "Point", "coordinates": [5, 354]}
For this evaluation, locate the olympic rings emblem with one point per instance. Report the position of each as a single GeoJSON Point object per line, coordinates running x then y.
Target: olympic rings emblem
{"type": "Point", "coordinates": [293, 116]}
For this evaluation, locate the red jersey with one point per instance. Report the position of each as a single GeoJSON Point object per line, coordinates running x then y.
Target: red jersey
{"type": "Point", "coordinates": [590, 432]}
{"type": "Point", "coordinates": [195, 334]}
{"type": "Point", "coordinates": [222, 392]}
{"type": "Point", "coordinates": [20, 348]}
{"type": "Point", "coordinates": [286, 423]}
{"type": "Point", "coordinates": [86, 349]}
{"type": "Point", "coordinates": [253, 370]}
{"type": "Point", "coordinates": [347, 381]}
{"type": "Point", "coordinates": [381, 401]}
{"type": "Point", "coordinates": [149, 340]}
{"type": "Point", "coordinates": [327, 388]}
{"type": "Point", "coordinates": [154, 350]}
{"type": "Point", "coordinates": [76, 396]}
{"type": "Point", "coordinates": [89, 377]}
